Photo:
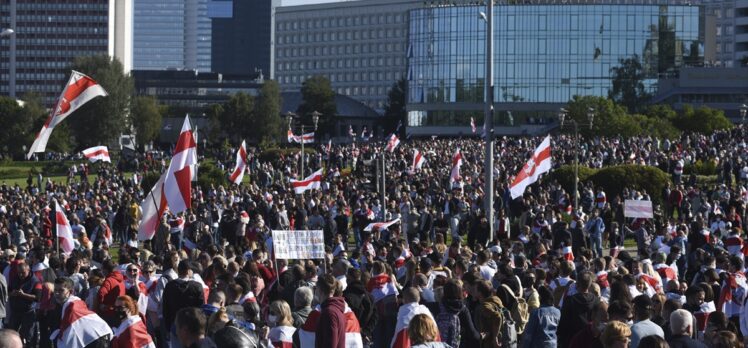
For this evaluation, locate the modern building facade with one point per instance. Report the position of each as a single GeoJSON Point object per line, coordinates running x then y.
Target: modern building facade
{"type": "Point", "coordinates": [359, 45]}
{"type": "Point", "coordinates": [543, 56]}
{"type": "Point", "coordinates": [172, 34]}
{"type": "Point", "coordinates": [50, 34]}
{"type": "Point", "coordinates": [731, 29]}
{"type": "Point", "coordinates": [720, 88]}
{"type": "Point", "coordinates": [242, 36]}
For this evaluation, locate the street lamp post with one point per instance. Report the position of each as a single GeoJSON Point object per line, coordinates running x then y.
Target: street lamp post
{"type": "Point", "coordinates": [11, 34]}
{"type": "Point", "coordinates": [590, 117]}
{"type": "Point", "coordinates": [488, 122]}
{"type": "Point", "coordinates": [315, 118]}
{"type": "Point", "coordinates": [743, 111]}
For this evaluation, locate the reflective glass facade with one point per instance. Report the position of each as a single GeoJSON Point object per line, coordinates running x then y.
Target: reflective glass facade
{"type": "Point", "coordinates": [543, 54]}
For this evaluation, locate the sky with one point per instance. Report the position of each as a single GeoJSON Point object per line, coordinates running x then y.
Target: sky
{"type": "Point", "coordinates": [307, 2]}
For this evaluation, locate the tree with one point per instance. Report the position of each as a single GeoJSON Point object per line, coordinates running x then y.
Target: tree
{"type": "Point", "coordinates": [16, 126]}
{"type": "Point", "coordinates": [146, 118]}
{"type": "Point", "coordinates": [234, 118]}
{"type": "Point", "coordinates": [610, 119]}
{"type": "Point", "coordinates": [661, 111]}
{"type": "Point", "coordinates": [318, 96]}
{"type": "Point", "coordinates": [103, 119]}
{"type": "Point", "coordinates": [702, 120]}
{"type": "Point", "coordinates": [267, 122]}
{"type": "Point", "coordinates": [628, 86]}
{"type": "Point", "coordinates": [394, 112]}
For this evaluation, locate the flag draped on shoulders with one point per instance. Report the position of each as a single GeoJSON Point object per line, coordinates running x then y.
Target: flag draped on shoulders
{"type": "Point", "coordinates": [132, 333]}
{"type": "Point", "coordinates": [307, 332]}
{"type": "Point", "coordinates": [79, 326]}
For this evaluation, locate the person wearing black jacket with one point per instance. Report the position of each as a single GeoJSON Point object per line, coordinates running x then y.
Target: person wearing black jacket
{"type": "Point", "coordinates": [452, 304]}
{"type": "Point", "coordinates": [180, 293]}
{"type": "Point", "coordinates": [361, 303]}
{"type": "Point", "coordinates": [576, 311]}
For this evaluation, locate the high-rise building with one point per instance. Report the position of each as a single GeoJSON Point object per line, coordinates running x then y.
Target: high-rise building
{"type": "Point", "coordinates": [50, 34]}
{"type": "Point", "coordinates": [242, 36]}
{"type": "Point", "coordinates": [544, 55]}
{"type": "Point", "coordinates": [731, 27]}
{"type": "Point", "coordinates": [172, 34]}
{"type": "Point", "coordinates": [359, 45]}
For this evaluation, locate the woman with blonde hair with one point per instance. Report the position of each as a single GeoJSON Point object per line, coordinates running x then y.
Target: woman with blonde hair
{"type": "Point", "coordinates": [423, 333]}
{"type": "Point", "coordinates": [217, 321]}
{"type": "Point", "coordinates": [281, 326]}
{"type": "Point", "coordinates": [616, 335]}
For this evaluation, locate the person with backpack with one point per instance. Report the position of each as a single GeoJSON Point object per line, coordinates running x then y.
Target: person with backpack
{"type": "Point", "coordinates": [456, 327]}
{"type": "Point", "coordinates": [575, 313]}
{"type": "Point", "coordinates": [541, 328]}
{"type": "Point", "coordinates": [495, 324]}
{"type": "Point", "coordinates": [180, 293]}
{"type": "Point", "coordinates": [560, 286]}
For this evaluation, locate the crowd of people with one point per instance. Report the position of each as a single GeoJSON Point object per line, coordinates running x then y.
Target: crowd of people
{"type": "Point", "coordinates": [550, 275]}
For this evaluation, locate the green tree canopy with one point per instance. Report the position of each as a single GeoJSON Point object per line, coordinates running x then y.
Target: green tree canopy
{"type": "Point", "coordinates": [318, 96]}
{"type": "Point", "coordinates": [610, 118]}
{"type": "Point", "coordinates": [234, 118]}
{"type": "Point", "coordinates": [103, 119]}
{"type": "Point", "coordinates": [16, 126]}
{"type": "Point", "coordinates": [394, 112]}
{"type": "Point", "coordinates": [628, 86]}
{"type": "Point", "coordinates": [702, 120]}
{"type": "Point", "coordinates": [268, 126]}
{"type": "Point", "coordinates": [146, 118]}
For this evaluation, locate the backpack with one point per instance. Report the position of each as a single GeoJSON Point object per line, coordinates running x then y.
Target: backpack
{"type": "Point", "coordinates": [508, 330]}
{"type": "Point", "coordinates": [520, 313]}
{"type": "Point", "coordinates": [449, 326]}
{"type": "Point", "coordinates": [560, 291]}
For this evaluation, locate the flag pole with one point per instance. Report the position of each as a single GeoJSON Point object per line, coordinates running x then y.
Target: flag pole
{"type": "Point", "coordinates": [57, 237]}
{"type": "Point", "coordinates": [384, 181]}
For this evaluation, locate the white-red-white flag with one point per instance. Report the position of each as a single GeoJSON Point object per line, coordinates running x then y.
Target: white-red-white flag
{"type": "Point", "coordinates": [307, 138]}
{"type": "Point", "coordinates": [351, 132]}
{"type": "Point", "coordinates": [539, 163]}
{"type": "Point", "coordinates": [307, 332]}
{"type": "Point", "coordinates": [79, 326]}
{"type": "Point", "coordinates": [97, 153]}
{"type": "Point", "coordinates": [329, 146]}
{"type": "Point", "coordinates": [309, 183]}
{"type": "Point", "coordinates": [152, 208]}
{"type": "Point", "coordinates": [64, 231]}
{"type": "Point", "coordinates": [132, 332]}
{"type": "Point", "coordinates": [392, 143]}
{"type": "Point", "coordinates": [454, 177]}
{"type": "Point", "coordinates": [178, 181]}
{"type": "Point", "coordinates": [241, 164]}
{"type": "Point", "coordinates": [380, 225]}
{"type": "Point", "coordinates": [79, 90]}
{"type": "Point", "coordinates": [472, 124]}
{"type": "Point", "coordinates": [418, 159]}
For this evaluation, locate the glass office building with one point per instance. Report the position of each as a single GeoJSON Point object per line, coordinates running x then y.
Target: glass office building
{"type": "Point", "coordinates": [543, 56]}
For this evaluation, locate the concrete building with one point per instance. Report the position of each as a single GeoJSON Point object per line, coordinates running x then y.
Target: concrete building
{"type": "Point", "coordinates": [49, 35]}
{"type": "Point", "coordinates": [242, 38]}
{"type": "Point", "coordinates": [359, 45]}
{"type": "Point", "coordinates": [731, 29]}
{"type": "Point", "coordinates": [172, 34]}
{"type": "Point", "coordinates": [720, 88]}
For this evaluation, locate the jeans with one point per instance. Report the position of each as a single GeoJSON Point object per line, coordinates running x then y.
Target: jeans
{"type": "Point", "coordinates": [596, 243]}
{"type": "Point", "coordinates": [454, 226]}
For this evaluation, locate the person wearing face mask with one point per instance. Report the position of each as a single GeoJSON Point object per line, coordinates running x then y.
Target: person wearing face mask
{"type": "Point", "coordinates": [79, 327]}
{"type": "Point", "coordinates": [131, 332]}
{"type": "Point", "coordinates": [280, 323]}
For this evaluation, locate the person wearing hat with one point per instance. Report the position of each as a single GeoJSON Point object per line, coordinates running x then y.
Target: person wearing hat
{"type": "Point", "coordinates": [643, 326]}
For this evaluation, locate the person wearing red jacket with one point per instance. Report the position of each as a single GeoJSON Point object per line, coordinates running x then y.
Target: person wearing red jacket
{"type": "Point", "coordinates": [112, 288]}
{"type": "Point", "coordinates": [331, 329]}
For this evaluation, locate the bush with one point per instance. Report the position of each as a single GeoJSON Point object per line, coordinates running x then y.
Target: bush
{"type": "Point", "coordinates": [208, 174]}
{"type": "Point", "coordinates": [149, 179]}
{"type": "Point", "coordinates": [564, 175]}
{"type": "Point", "coordinates": [701, 168]}
{"type": "Point", "coordinates": [274, 154]}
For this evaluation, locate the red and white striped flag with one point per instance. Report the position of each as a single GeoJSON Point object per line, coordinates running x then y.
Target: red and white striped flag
{"type": "Point", "coordinates": [404, 315]}
{"type": "Point", "coordinates": [132, 333]}
{"type": "Point", "coordinates": [241, 164]}
{"type": "Point", "coordinates": [350, 131]}
{"type": "Point", "coordinates": [307, 138]}
{"type": "Point", "coordinates": [282, 336]}
{"type": "Point", "coordinates": [392, 143]}
{"type": "Point", "coordinates": [178, 181]}
{"type": "Point", "coordinates": [380, 225]}
{"type": "Point", "coordinates": [64, 231]}
{"type": "Point", "coordinates": [307, 332]}
{"type": "Point", "coordinates": [329, 146]}
{"type": "Point", "coordinates": [97, 153]}
{"type": "Point", "coordinates": [79, 90]}
{"type": "Point", "coordinates": [309, 183]}
{"type": "Point", "coordinates": [79, 326]}
{"type": "Point", "coordinates": [539, 163]}
{"type": "Point", "coordinates": [472, 124]}
{"type": "Point", "coordinates": [152, 208]}
{"type": "Point", "coordinates": [381, 286]}
{"type": "Point", "coordinates": [418, 159]}
{"type": "Point", "coordinates": [454, 176]}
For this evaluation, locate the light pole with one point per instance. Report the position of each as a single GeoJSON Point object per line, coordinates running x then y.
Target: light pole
{"type": "Point", "coordinates": [488, 122]}
{"type": "Point", "coordinates": [743, 111]}
{"type": "Point", "coordinates": [315, 118]}
{"type": "Point", "coordinates": [11, 34]}
{"type": "Point", "coordinates": [590, 117]}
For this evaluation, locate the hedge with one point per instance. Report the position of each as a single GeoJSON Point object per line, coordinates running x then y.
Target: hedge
{"type": "Point", "coordinates": [615, 178]}
{"type": "Point", "coordinates": [208, 174]}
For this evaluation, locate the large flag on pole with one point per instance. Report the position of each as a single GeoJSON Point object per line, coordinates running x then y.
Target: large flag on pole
{"type": "Point", "coordinates": [152, 208]}
{"type": "Point", "coordinates": [311, 182]}
{"type": "Point", "coordinates": [79, 90]}
{"type": "Point", "coordinates": [454, 177]}
{"type": "Point", "coordinates": [178, 181]}
{"type": "Point", "coordinates": [241, 164]}
{"type": "Point", "coordinates": [307, 138]}
{"type": "Point", "coordinates": [97, 153]}
{"type": "Point", "coordinates": [418, 159]}
{"type": "Point", "coordinates": [392, 143]}
{"type": "Point", "coordinates": [64, 231]}
{"type": "Point", "coordinates": [472, 124]}
{"type": "Point", "coordinates": [539, 163]}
